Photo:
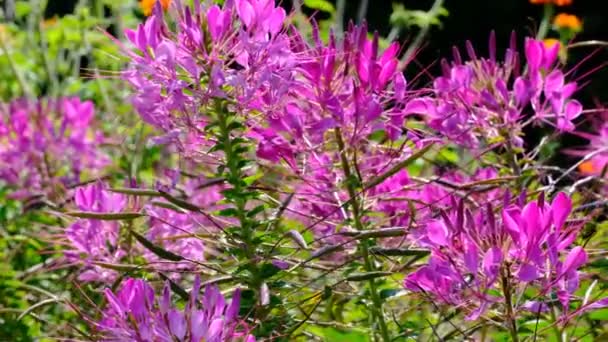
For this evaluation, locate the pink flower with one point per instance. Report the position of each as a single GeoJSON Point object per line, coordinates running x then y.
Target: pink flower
{"type": "Point", "coordinates": [92, 241]}
{"type": "Point", "coordinates": [475, 255]}
{"type": "Point", "coordinates": [48, 145]}
{"type": "Point", "coordinates": [133, 313]}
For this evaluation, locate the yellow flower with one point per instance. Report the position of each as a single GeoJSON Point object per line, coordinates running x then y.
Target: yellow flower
{"type": "Point", "coordinates": [148, 5]}
{"type": "Point", "coordinates": [567, 21]}
{"type": "Point", "coordinates": [550, 42]}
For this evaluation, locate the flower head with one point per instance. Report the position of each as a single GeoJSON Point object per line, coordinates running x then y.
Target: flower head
{"type": "Point", "coordinates": [483, 100]}
{"type": "Point", "coordinates": [555, 2]}
{"type": "Point", "coordinates": [135, 313]}
{"type": "Point", "coordinates": [567, 21]}
{"type": "Point", "coordinates": [90, 241]}
{"type": "Point", "coordinates": [48, 145]}
{"type": "Point", "coordinates": [475, 254]}
{"type": "Point", "coordinates": [147, 6]}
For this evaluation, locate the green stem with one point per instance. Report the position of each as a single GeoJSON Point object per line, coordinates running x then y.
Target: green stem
{"type": "Point", "coordinates": [544, 25]}
{"type": "Point", "coordinates": [413, 48]}
{"type": "Point", "coordinates": [234, 176]}
{"type": "Point", "coordinates": [512, 322]}
{"type": "Point", "coordinates": [556, 330]}
{"type": "Point", "coordinates": [20, 80]}
{"type": "Point", "coordinates": [368, 263]}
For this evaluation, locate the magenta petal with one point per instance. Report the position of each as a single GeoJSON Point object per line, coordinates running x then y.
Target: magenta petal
{"type": "Point", "coordinates": [491, 263]}
{"type": "Point", "coordinates": [599, 304]}
{"type": "Point", "coordinates": [215, 332]}
{"type": "Point", "coordinates": [532, 219]}
{"type": "Point", "coordinates": [527, 273]}
{"type": "Point", "coordinates": [554, 82]}
{"type": "Point", "coordinates": [177, 324]}
{"type": "Point", "coordinates": [550, 56]}
{"type": "Point", "coordinates": [246, 12]}
{"type": "Point", "coordinates": [423, 105]}
{"type": "Point", "coordinates": [573, 110]}
{"type": "Point", "coordinates": [535, 307]}
{"type": "Point", "coordinates": [575, 259]}
{"type": "Point", "coordinates": [164, 302]}
{"type": "Point", "coordinates": [560, 209]}
{"type": "Point", "coordinates": [534, 54]}
{"type": "Point", "coordinates": [471, 258]}
{"type": "Point", "coordinates": [438, 233]}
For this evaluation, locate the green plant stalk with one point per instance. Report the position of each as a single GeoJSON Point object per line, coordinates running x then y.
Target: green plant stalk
{"type": "Point", "coordinates": [544, 24]}
{"type": "Point", "coordinates": [512, 323]}
{"type": "Point", "coordinates": [234, 176]}
{"type": "Point", "coordinates": [24, 87]}
{"type": "Point", "coordinates": [421, 34]}
{"type": "Point", "coordinates": [369, 266]}
{"type": "Point", "coordinates": [556, 330]}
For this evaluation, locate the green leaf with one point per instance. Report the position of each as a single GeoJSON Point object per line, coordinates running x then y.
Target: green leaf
{"type": "Point", "coordinates": [321, 5]}
{"type": "Point", "coordinates": [267, 270]}
{"type": "Point", "coordinates": [105, 216]}
{"type": "Point", "coordinates": [415, 156]}
{"type": "Point", "coordinates": [599, 315]}
{"type": "Point", "coordinates": [136, 192]}
{"type": "Point", "coordinates": [22, 9]}
{"type": "Point", "coordinates": [175, 287]}
{"type": "Point", "coordinates": [159, 251]}
{"type": "Point", "coordinates": [333, 334]}
{"type": "Point", "coordinates": [228, 212]}
{"type": "Point", "coordinates": [367, 275]}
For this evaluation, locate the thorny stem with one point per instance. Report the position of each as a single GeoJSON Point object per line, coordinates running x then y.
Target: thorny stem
{"type": "Point", "coordinates": [369, 266]}
{"type": "Point", "coordinates": [234, 177]}
{"type": "Point", "coordinates": [511, 321]}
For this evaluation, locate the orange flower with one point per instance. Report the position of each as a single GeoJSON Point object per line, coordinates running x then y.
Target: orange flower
{"type": "Point", "coordinates": [148, 5]}
{"type": "Point", "coordinates": [555, 2]}
{"type": "Point", "coordinates": [562, 2]}
{"type": "Point", "coordinates": [49, 22]}
{"type": "Point", "coordinates": [568, 21]}
{"type": "Point", "coordinates": [587, 167]}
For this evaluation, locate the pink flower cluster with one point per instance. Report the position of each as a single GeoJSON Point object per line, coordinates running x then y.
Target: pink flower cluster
{"type": "Point", "coordinates": [477, 256]}
{"type": "Point", "coordinates": [48, 145]}
{"type": "Point", "coordinates": [483, 101]}
{"type": "Point", "coordinates": [98, 244]}
{"type": "Point", "coordinates": [90, 241]}
{"type": "Point", "coordinates": [134, 314]}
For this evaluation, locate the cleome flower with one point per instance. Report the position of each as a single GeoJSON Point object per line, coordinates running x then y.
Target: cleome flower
{"type": "Point", "coordinates": [134, 314]}
{"type": "Point", "coordinates": [235, 53]}
{"type": "Point", "coordinates": [480, 261]}
{"type": "Point", "coordinates": [484, 101]}
{"type": "Point", "coordinates": [48, 145]}
{"type": "Point", "coordinates": [90, 241]}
